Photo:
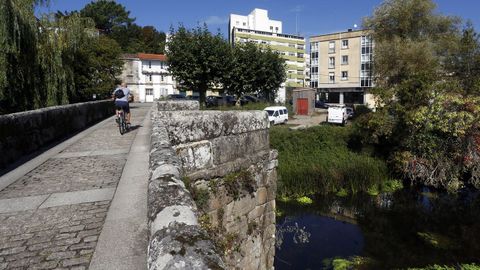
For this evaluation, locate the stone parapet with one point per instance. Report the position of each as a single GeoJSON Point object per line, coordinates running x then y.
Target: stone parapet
{"type": "Point", "coordinates": [178, 105]}
{"type": "Point", "coordinates": [26, 132]}
{"type": "Point", "coordinates": [228, 203]}
{"type": "Point", "coordinates": [176, 239]}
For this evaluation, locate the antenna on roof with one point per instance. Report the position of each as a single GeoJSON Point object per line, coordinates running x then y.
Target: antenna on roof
{"type": "Point", "coordinates": [296, 23]}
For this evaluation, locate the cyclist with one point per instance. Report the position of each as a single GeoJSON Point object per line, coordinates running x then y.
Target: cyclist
{"type": "Point", "coordinates": [120, 96]}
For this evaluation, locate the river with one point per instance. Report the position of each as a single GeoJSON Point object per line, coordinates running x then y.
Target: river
{"type": "Point", "coordinates": [410, 228]}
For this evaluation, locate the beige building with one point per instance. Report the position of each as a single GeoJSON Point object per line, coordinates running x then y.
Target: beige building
{"type": "Point", "coordinates": [341, 67]}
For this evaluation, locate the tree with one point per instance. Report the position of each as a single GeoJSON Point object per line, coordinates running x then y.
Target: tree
{"type": "Point", "coordinates": [113, 20]}
{"type": "Point", "coordinates": [107, 15]}
{"type": "Point", "coordinates": [33, 73]}
{"type": "Point", "coordinates": [197, 59]}
{"type": "Point", "coordinates": [426, 122]}
{"type": "Point", "coordinates": [464, 62]}
{"type": "Point", "coordinates": [254, 70]}
{"type": "Point", "coordinates": [96, 68]}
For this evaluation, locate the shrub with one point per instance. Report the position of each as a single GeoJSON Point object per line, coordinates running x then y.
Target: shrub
{"type": "Point", "coordinates": [318, 160]}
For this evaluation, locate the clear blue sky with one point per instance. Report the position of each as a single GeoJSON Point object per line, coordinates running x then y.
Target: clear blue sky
{"type": "Point", "coordinates": [313, 16]}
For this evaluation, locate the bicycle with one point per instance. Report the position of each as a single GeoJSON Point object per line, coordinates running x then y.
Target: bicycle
{"type": "Point", "coordinates": [122, 123]}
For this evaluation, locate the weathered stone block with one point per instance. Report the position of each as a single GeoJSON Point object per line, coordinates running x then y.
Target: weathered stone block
{"type": "Point", "coordinates": [261, 196]}
{"type": "Point", "coordinates": [194, 126]}
{"type": "Point", "coordinates": [229, 148]}
{"type": "Point", "coordinates": [195, 156]}
{"type": "Point", "coordinates": [178, 105]}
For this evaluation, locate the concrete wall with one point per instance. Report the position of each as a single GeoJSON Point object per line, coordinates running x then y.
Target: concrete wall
{"type": "Point", "coordinates": [231, 172]}
{"type": "Point", "coordinates": [25, 132]}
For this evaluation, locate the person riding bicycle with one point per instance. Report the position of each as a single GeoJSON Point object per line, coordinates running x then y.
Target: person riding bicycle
{"type": "Point", "coordinates": [120, 96]}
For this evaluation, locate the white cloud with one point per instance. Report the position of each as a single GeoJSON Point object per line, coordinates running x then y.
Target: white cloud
{"type": "Point", "coordinates": [216, 20]}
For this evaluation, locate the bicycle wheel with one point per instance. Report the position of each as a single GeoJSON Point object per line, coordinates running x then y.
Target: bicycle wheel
{"type": "Point", "coordinates": [121, 124]}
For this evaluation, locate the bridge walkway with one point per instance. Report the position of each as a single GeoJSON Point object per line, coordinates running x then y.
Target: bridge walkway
{"type": "Point", "coordinates": [82, 204]}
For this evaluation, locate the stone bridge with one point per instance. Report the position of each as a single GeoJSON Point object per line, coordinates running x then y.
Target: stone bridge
{"type": "Point", "coordinates": [184, 189]}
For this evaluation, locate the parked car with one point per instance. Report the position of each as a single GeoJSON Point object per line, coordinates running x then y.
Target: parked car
{"type": "Point", "coordinates": [277, 115]}
{"type": "Point", "coordinates": [320, 104]}
{"type": "Point", "coordinates": [337, 114]}
{"type": "Point", "coordinates": [350, 112]}
{"type": "Point", "coordinates": [212, 101]}
{"type": "Point", "coordinates": [193, 98]}
{"type": "Point", "coordinates": [175, 96]}
{"type": "Point", "coordinates": [230, 100]}
{"type": "Point", "coordinates": [248, 98]}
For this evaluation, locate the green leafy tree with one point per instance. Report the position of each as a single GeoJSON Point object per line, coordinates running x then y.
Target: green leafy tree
{"type": "Point", "coordinates": [425, 116]}
{"type": "Point", "coordinates": [113, 20]}
{"type": "Point", "coordinates": [197, 59]}
{"type": "Point", "coordinates": [464, 62]}
{"type": "Point", "coordinates": [33, 73]}
{"type": "Point", "coordinates": [107, 15]}
{"type": "Point", "coordinates": [254, 70]}
{"type": "Point", "coordinates": [96, 68]}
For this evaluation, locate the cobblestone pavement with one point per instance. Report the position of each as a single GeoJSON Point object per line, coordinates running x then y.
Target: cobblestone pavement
{"type": "Point", "coordinates": [64, 236]}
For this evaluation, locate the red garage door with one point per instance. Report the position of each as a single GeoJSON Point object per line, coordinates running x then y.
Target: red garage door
{"type": "Point", "coordinates": [302, 106]}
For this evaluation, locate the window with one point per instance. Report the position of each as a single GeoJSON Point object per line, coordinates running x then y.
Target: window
{"type": "Point", "coordinates": [331, 62]}
{"type": "Point", "coordinates": [276, 113]}
{"type": "Point", "coordinates": [276, 29]}
{"type": "Point", "coordinates": [281, 112]}
{"type": "Point", "coordinates": [237, 23]}
{"type": "Point", "coordinates": [345, 44]}
{"type": "Point", "coordinates": [149, 64]}
{"type": "Point", "coordinates": [344, 75]}
{"type": "Point", "coordinates": [162, 78]}
{"type": "Point", "coordinates": [149, 92]}
{"type": "Point", "coordinates": [331, 77]}
{"type": "Point", "coordinates": [314, 54]}
{"type": "Point", "coordinates": [344, 59]}
{"type": "Point", "coordinates": [285, 111]}
{"type": "Point", "coordinates": [314, 84]}
{"type": "Point", "coordinates": [271, 28]}
{"type": "Point", "coordinates": [331, 47]}
{"type": "Point", "coordinates": [149, 78]}
{"type": "Point", "coordinates": [314, 70]}
{"type": "Point", "coordinates": [244, 24]}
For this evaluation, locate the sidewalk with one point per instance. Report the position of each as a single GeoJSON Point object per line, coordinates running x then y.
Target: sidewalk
{"type": "Point", "coordinates": [56, 215]}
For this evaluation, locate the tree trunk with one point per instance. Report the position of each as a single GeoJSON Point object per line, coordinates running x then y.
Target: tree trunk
{"type": "Point", "coordinates": [203, 92]}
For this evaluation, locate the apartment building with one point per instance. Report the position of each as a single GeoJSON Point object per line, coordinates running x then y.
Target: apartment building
{"type": "Point", "coordinates": [341, 67]}
{"type": "Point", "coordinates": [257, 27]}
{"type": "Point", "coordinates": [147, 76]}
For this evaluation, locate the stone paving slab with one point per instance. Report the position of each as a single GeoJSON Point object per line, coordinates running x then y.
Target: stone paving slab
{"type": "Point", "coordinates": [58, 199]}
{"type": "Point", "coordinates": [21, 204]}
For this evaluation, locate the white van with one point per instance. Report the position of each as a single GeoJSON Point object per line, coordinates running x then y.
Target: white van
{"type": "Point", "coordinates": [277, 115]}
{"type": "Point", "coordinates": [337, 114]}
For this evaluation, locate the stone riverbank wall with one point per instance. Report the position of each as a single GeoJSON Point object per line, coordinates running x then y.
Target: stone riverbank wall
{"type": "Point", "coordinates": [26, 132]}
{"type": "Point", "coordinates": [211, 200]}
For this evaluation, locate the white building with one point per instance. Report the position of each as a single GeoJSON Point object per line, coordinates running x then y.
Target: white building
{"type": "Point", "coordinates": [257, 20]}
{"type": "Point", "coordinates": [258, 28]}
{"type": "Point", "coordinates": [147, 76]}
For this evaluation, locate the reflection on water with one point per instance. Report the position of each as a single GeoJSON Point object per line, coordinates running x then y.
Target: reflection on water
{"type": "Point", "coordinates": [411, 228]}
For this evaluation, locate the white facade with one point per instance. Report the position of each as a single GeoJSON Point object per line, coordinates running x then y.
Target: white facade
{"type": "Point", "coordinates": [257, 20]}
{"type": "Point", "coordinates": [147, 77]}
